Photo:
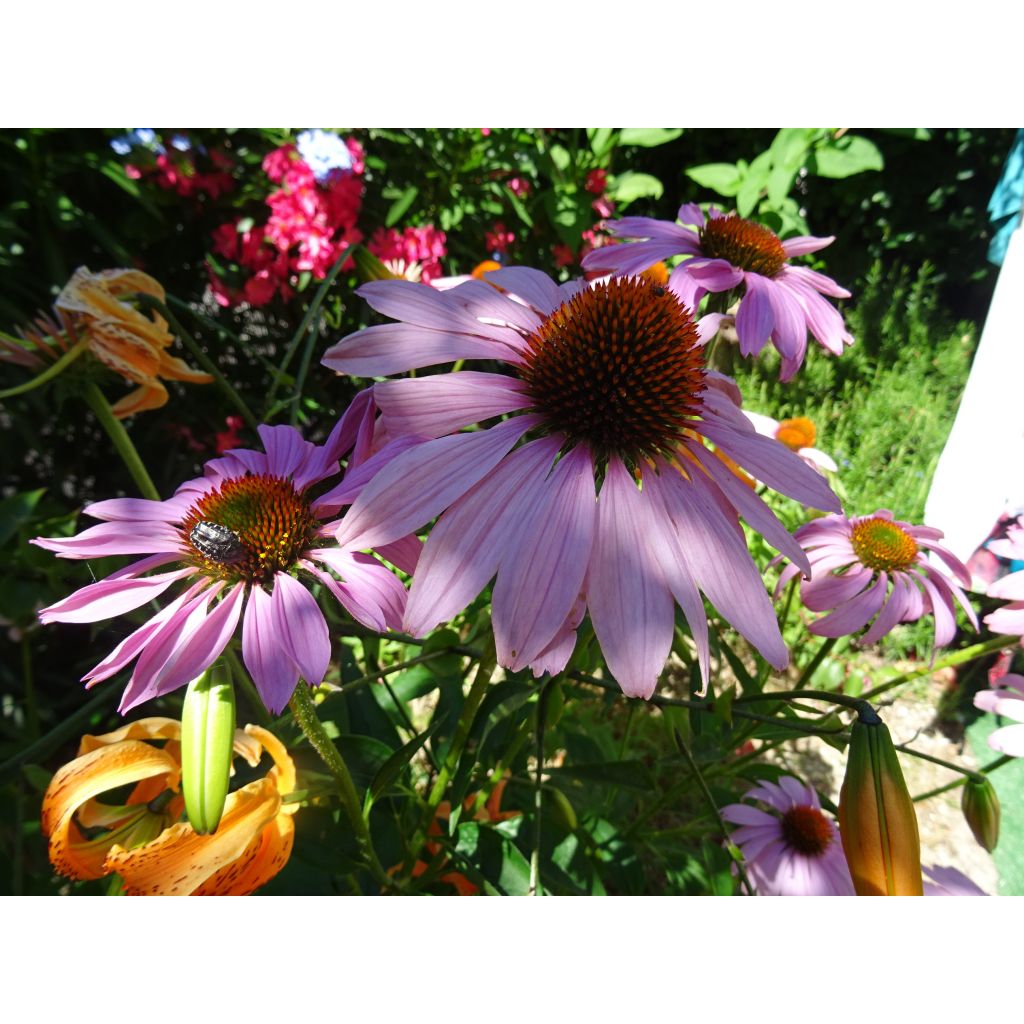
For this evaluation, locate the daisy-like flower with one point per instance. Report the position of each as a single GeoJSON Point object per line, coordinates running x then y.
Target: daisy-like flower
{"type": "Point", "coordinates": [612, 396]}
{"type": "Point", "coordinates": [780, 302]}
{"type": "Point", "coordinates": [1005, 699]}
{"type": "Point", "coordinates": [797, 434]}
{"type": "Point", "coordinates": [143, 839]}
{"type": "Point", "coordinates": [790, 848]}
{"type": "Point", "coordinates": [247, 535]}
{"type": "Point", "coordinates": [878, 566]}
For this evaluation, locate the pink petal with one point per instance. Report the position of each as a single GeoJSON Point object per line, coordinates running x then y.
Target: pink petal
{"type": "Point", "coordinates": [116, 538]}
{"type": "Point", "coordinates": [542, 568]}
{"type": "Point", "coordinates": [466, 545]}
{"type": "Point", "coordinates": [1008, 740]}
{"type": "Point", "coordinates": [756, 317]}
{"type": "Point", "coordinates": [719, 561]}
{"type": "Point", "coordinates": [1009, 588]}
{"type": "Point", "coordinates": [373, 584]}
{"type": "Point", "coordinates": [421, 483]}
{"type": "Point", "coordinates": [652, 230]}
{"type": "Point", "coordinates": [773, 463]}
{"type": "Point", "coordinates": [942, 609]}
{"type": "Point", "coordinates": [286, 449]}
{"type": "Point", "coordinates": [437, 405]}
{"type": "Point", "coordinates": [357, 477]}
{"type": "Point", "coordinates": [273, 672]}
{"type": "Point", "coordinates": [110, 597]}
{"type": "Point", "coordinates": [819, 282]}
{"type": "Point", "coordinates": [629, 601]}
{"type": "Point", "coordinates": [629, 259]}
{"type": "Point", "coordinates": [395, 348]}
{"type": "Point", "coordinates": [714, 275]}
{"type": "Point", "coordinates": [301, 628]}
{"type": "Point", "coordinates": [533, 286]}
{"type": "Point", "coordinates": [140, 509]}
{"type": "Point", "coordinates": [822, 593]}
{"type": "Point", "coordinates": [801, 245]}
{"type": "Point", "coordinates": [404, 554]}
{"type": "Point", "coordinates": [850, 617]}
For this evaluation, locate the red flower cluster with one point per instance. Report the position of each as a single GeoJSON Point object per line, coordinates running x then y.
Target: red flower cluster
{"type": "Point", "coordinates": [499, 238]}
{"type": "Point", "coordinates": [414, 253]}
{"type": "Point", "coordinates": [176, 171]}
{"type": "Point", "coordinates": [310, 225]}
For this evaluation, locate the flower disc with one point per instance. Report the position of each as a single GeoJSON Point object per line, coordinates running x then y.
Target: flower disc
{"type": "Point", "coordinates": [271, 520]}
{"type": "Point", "coordinates": [617, 367]}
{"type": "Point", "coordinates": [882, 545]}
{"type": "Point", "coordinates": [744, 244]}
{"type": "Point", "coordinates": [807, 830]}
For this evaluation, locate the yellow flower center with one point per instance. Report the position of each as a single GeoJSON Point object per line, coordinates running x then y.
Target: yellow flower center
{"type": "Point", "coordinates": [882, 545]}
{"type": "Point", "coordinates": [806, 830]}
{"type": "Point", "coordinates": [617, 367]}
{"type": "Point", "coordinates": [796, 433]}
{"type": "Point", "coordinates": [744, 244]}
{"type": "Point", "coordinates": [249, 528]}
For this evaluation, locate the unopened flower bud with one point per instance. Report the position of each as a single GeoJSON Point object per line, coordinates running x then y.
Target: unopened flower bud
{"type": "Point", "coordinates": [980, 805]}
{"type": "Point", "coordinates": [207, 737]}
{"type": "Point", "coordinates": [877, 821]}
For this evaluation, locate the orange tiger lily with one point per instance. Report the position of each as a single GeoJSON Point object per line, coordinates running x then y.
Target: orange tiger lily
{"type": "Point", "coordinates": [142, 840]}
{"type": "Point", "coordinates": [121, 337]}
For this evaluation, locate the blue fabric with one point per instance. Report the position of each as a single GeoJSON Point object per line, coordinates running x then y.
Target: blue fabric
{"type": "Point", "coordinates": [1004, 208]}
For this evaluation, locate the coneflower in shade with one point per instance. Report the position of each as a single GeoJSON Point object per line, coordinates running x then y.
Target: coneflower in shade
{"type": "Point", "coordinates": [790, 847]}
{"type": "Point", "coordinates": [877, 567]}
{"type": "Point", "coordinates": [614, 505]}
{"type": "Point", "coordinates": [780, 302]}
{"type": "Point", "coordinates": [246, 539]}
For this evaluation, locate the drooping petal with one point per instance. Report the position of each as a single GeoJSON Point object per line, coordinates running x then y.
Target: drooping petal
{"type": "Point", "coordinates": [629, 600]}
{"type": "Point", "coordinates": [179, 861]}
{"type": "Point", "coordinates": [714, 275]}
{"type": "Point", "coordinates": [422, 482]}
{"type": "Point", "coordinates": [543, 567]}
{"type": "Point", "coordinates": [824, 592]}
{"type": "Point", "coordinates": [801, 245]}
{"type": "Point", "coordinates": [755, 318]}
{"type": "Point", "coordinates": [465, 547]}
{"type": "Point", "coordinates": [273, 671]}
{"type": "Point", "coordinates": [301, 628]}
{"type": "Point", "coordinates": [404, 554]}
{"type": "Point", "coordinates": [854, 614]}
{"type": "Point", "coordinates": [533, 286]}
{"type": "Point", "coordinates": [628, 260]}
{"type": "Point", "coordinates": [892, 611]}
{"type": "Point", "coordinates": [773, 463]}
{"type": "Point", "coordinates": [819, 282]}
{"type": "Point", "coordinates": [374, 583]}
{"type": "Point", "coordinates": [356, 478]}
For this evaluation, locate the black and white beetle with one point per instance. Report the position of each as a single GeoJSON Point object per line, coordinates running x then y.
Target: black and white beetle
{"type": "Point", "coordinates": [217, 543]}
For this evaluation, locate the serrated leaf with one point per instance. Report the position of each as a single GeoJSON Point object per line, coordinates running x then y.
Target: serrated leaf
{"type": "Point", "coordinates": [648, 136]}
{"type": "Point", "coordinates": [724, 179]}
{"type": "Point", "coordinates": [852, 154]}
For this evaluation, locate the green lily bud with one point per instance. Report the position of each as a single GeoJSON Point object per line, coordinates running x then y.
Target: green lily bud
{"type": "Point", "coordinates": [877, 820]}
{"type": "Point", "coordinates": [207, 738]}
{"type": "Point", "coordinates": [980, 805]}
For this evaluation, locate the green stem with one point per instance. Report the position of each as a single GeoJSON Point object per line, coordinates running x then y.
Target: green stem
{"type": "Point", "coordinates": [122, 442]}
{"type": "Point", "coordinates": [202, 358]}
{"type": "Point", "coordinates": [967, 773]}
{"type": "Point", "coordinates": [853, 703]}
{"type": "Point", "coordinates": [710, 800]}
{"type": "Point", "coordinates": [305, 325]}
{"type": "Point", "coordinates": [304, 711]}
{"type": "Point", "coordinates": [538, 793]}
{"type": "Point", "coordinates": [823, 652]}
{"type": "Point", "coordinates": [485, 671]}
{"type": "Point", "coordinates": [358, 684]}
{"type": "Point", "coordinates": [51, 371]}
{"type": "Point", "coordinates": [956, 658]}
{"type": "Point", "coordinates": [986, 770]}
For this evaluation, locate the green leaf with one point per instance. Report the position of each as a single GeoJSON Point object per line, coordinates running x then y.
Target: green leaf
{"type": "Point", "coordinates": [852, 154]}
{"type": "Point", "coordinates": [631, 774]}
{"type": "Point", "coordinates": [496, 857]}
{"type": "Point", "coordinates": [560, 156]}
{"type": "Point", "coordinates": [517, 204]}
{"type": "Point", "coordinates": [648, 136]}
{"type": "Point", "coordinates": [754, 182]}
{"type": "Point", "coordinates": [721, 178]}
{"type": "Point", "coordinates": [391, 768]}
{"type": "Point", "coordinates": [634, 185]}
{"type": "Point", "coordinates": [400, 205]}
{"type": "Point", "coordinates": [601, 141]}
{"type": "Point", "coordinates": [17, 509]}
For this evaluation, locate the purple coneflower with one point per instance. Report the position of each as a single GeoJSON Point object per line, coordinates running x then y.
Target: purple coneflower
{"type": "Point", "coordinates": [877, 565]}
{"type": "Point", "coordinates": [613, 505]}
{"type": "Point", "coordinates": [245, 535]}
{"type": "Point", "coordinates": [792, 848]}
{"type": "Point", "coordinates": [723, 251]}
